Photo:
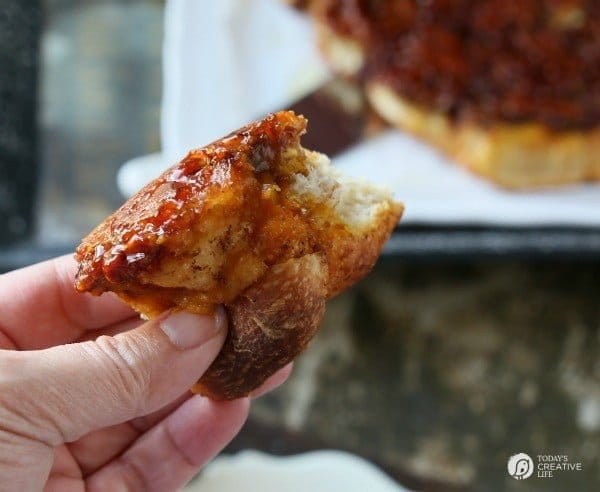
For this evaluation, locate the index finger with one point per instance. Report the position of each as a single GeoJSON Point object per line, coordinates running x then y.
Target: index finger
{"type": "Point", "coordinates": [40, 308]}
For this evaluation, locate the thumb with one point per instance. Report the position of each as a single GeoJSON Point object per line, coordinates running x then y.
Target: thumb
{"type": "Point", "coordinates": [67, 391]}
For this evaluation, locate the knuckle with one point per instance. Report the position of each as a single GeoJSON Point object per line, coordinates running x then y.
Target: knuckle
{"type": "Point", "coordinates": [133, 476]}
{"type": "Point", "coordinates": [128, 367]}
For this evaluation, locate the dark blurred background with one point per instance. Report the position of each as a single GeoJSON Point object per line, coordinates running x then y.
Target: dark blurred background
{"type": "Point", "coordinates": [437, 371]}
{"type": "Point", "coordinates": [89, 74]}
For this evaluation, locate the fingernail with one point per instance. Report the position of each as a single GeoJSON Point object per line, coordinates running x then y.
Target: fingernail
{"type": "Point", "coordinates": [187, 330]}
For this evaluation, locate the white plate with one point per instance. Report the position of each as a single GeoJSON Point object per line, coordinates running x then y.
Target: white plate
{"type": "Point", "coordinates": [322, 471]}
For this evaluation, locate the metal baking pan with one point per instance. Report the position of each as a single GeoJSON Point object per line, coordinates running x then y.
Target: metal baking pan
{"type": "Point", "coordinates": [471, 243]}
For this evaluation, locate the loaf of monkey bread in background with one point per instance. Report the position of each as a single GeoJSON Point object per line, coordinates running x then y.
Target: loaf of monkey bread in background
{"type": "Point", "coordinates": [253, 222]}
{"type": "Point", "coordinates": [510, 90]}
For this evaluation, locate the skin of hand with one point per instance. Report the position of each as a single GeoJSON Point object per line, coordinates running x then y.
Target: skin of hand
{"type": "Point", "coordinates": [94, 399]}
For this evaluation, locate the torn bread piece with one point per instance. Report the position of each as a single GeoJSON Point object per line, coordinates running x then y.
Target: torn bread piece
{"type": "Point", "coordinates": [254, 222]}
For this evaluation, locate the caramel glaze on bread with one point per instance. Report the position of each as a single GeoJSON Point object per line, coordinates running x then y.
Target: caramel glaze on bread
{"type": "Point", "coordinates": [254, 222]}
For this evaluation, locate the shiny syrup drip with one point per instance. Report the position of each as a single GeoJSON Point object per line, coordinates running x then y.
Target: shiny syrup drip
{"type": "Point", "coordinates": [178, 195]}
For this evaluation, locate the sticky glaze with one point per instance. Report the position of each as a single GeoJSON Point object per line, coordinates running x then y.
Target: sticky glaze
{"type": "Point", "coordinates": [175, 202]}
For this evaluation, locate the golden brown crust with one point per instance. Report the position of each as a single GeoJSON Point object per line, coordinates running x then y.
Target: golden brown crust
{"type": "Point", "coordinates": [274, 321]}
{"type": "Point", "coordinates": [351, 257]}
{"type": "Point", "coordinates": [513, 156]}
{"type": "Point", "coordinates": [344, 54]}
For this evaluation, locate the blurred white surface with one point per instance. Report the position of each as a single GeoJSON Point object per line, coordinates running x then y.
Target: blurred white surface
{"type": "Point", "coordinates": [227, 62]}
{"type": "Point", "coordinates": [323, 471]}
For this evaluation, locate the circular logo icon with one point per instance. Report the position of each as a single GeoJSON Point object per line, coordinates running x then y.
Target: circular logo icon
{"type": "Point", "coordinates": [520, 466]}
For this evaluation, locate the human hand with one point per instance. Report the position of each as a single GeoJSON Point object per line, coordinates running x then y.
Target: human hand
{"type": "Point", "coordinates": [92, 398]}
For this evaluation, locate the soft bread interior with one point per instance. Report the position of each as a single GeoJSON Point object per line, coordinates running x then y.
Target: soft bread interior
{"type": "Point", "coordinates": [356, 203]}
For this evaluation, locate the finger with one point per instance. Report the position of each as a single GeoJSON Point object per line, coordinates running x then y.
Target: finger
{"type": "Point", "coordinates": [65, 475]}
{"type": "Point", "coordinates": [171, 453]}
{"type": "Point", "coordinates": [68, 391]}
{"type": "Point", "coordinates": [99, 447]}
{"type": "Point", "coordinates": [274, 381]}
{"type": "Point", "coordinates": [64, 464]}
{"type": "Point", "coordinates": [40, 307]}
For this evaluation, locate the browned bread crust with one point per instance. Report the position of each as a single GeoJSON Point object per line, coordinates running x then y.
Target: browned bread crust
{"type": "Point", "coordinates": [266, 318]}
{"type": "Point", "coordinates": [254, 222]}
{"type": "Point", "coordinates": [519, 157]}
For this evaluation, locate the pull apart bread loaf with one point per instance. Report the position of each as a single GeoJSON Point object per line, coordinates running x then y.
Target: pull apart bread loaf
{"type": "Point", "coordinates": [253, 222]}
{"type": "Point", "coordinates": [510, 90]}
